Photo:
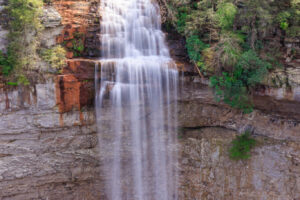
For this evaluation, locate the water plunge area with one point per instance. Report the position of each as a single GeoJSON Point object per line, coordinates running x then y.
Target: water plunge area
{"type": "Point", "coordinates": [136, 92]}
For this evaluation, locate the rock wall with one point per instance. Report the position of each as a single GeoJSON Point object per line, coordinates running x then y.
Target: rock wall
{"type": "Point", "coordinates": [3, 31]}
{"type": "Point", "coordinates": [46, 154]}
{"type": "Point", "coordinates": [49, 142]}
{"type": "Point", "coordinates": [206, 131]}
{"type": "Point", "coordinates": [207, 173]}
{"type": "Point", "coordinates": [81, 25]}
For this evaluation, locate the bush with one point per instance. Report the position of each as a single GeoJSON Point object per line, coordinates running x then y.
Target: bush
{"type": "Point", "coordinates": [55, 56]}
{"type": "Point", "coordinates": [282, 19]}
{"type": "Point", "coordinates": [78, 47]}
{"type": "Point", "coordinates": [24, 28]}
{"type": "Point", "coordinates": [228, 50]}
{"type": "Point", "coordinates": [195, 47]}
{"type": "Point", "coordinates": [225, 15]}
{"type": "Point", "coordinates": [251, 69]}
{"type": "Point", "coordinates": [24, 14]}
{"type": "Point", "coordinates": [241, 147]}
{"type": "Point", "coordinates": [182, 16]}
{"type": "Point", "coordinates": [231, 91]}
{"type": "Point", "coordinates": [233, 87]}
{"type": "Point", "coordinates": [202, 22]}
{"type": "Point", "coordinates": [5, 64]}
{"type": "Point", "coordinates": [208, 60]}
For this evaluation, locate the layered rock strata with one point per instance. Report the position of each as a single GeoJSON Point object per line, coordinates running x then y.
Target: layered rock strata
{"type": "Point", "coordinates": [49, 142]}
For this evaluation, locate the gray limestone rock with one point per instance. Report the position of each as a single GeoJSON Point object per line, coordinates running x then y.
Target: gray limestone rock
{"type": "Point", "coordinates": [51, 18]}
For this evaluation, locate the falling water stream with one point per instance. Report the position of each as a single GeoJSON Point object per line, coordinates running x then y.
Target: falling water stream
{"type": "Point", "coordinates": [136, 89]}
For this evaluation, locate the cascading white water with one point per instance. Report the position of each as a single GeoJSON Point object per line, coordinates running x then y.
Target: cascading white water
{"type": "Point", "coordinates": [136, 88]}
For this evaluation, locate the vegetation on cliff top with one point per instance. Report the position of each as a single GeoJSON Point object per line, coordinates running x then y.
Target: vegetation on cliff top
{"type": "Point", "coordinates": [24, 35]}
{"type": "Point", "coordinates": [24, 29]}
{"type": "Point", "coordinates": [228, 41]}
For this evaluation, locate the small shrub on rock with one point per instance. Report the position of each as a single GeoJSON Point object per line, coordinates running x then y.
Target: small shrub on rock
{"type": "Point", "coordinates": [241, 147]}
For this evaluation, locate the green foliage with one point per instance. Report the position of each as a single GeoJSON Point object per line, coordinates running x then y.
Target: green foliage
{"type": "Point", "coordinates": [24, 14]}
{"type": "Point", "coordinates": [240, 52]}
{"type": "Point", "coordinates": [5, 64]}
{"type": "Point", "coordinates": [55, 56]}
{"type": "Point", "coordinates": [195, 47]}
{"type": "Point", "coordinates": [194, 17]}
{"type": "Point", "coordinates": [241, 147]}
{"type": "Point", "coordinates": [282, 19]}
{"type": "Point", "coordinates": [255, 19]}
{"type": "Point", "coordinates": [12, 83]}
{"type": "Point", "coordinates": [294, 19]}
{"type": "Point", "coordinates": [24, 29]}
{"type": "Point", "coordinates": [203, 22]}
{"type": "Point", "coordinates": [232, 91]}
{"type": "Point", "coordinates": [251, 69]}
{"type": "Point", "coordinates": [293, 31]}
{"type": "Point", "coordinates": [225, 15]}
{"type": "Point", "coordinates": [78, 47]}
{"type": "Point", "coordinates": [228, 49]}
{"type": "Point", "coordinates": [181, 19]}
{"type": "Point", "coordinates": [22, 80]}
{"type": "Point", "coordinates": [233, 87]}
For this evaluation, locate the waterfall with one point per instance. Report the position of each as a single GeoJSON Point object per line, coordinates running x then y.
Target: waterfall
{"type": "Point", "coordinates": [136, 91]}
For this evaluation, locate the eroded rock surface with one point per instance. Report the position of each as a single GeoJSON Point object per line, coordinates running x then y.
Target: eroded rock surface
{"type": "Point", "coordinates": [48, 139]}
{"type": "Point", "coordinates": [208, 173]}
{"type": "Point", "coordinates": [52, 22]}
{"type": "Point", "coordinates": [206, 131]}
{"type": "Point", "coordinates": [3, 31]}
{"type": "Point", "coordinates": [49, 142]}
{"type": "Point", "coordinates": [46, 154]}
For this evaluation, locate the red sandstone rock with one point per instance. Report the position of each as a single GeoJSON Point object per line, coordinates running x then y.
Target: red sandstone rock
{"type": "Point", "coordinates": [69, 45]}
{"type": "Point", "coordinates": [67, 93]}
{"type": "Point", "coordinates": [70, 54]}
{"type": "Point", "coordinates": [75, 87]}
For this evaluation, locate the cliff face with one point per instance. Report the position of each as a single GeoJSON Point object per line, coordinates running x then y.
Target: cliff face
{"type": "Point", "coordinates": [3, 31]}
{"type": "Point", "coordinates": [48, 133]}
{"type": "Point", "coordinates": [207, 173]}
{"type": "Point", "coordinates": [207, 129]}
{"type": "Point", "coordinates": [81, 26]}
{"type": "Point", "coordinates": [46, 154]}
{"type": "Point", "coordinates": [47, 130]}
